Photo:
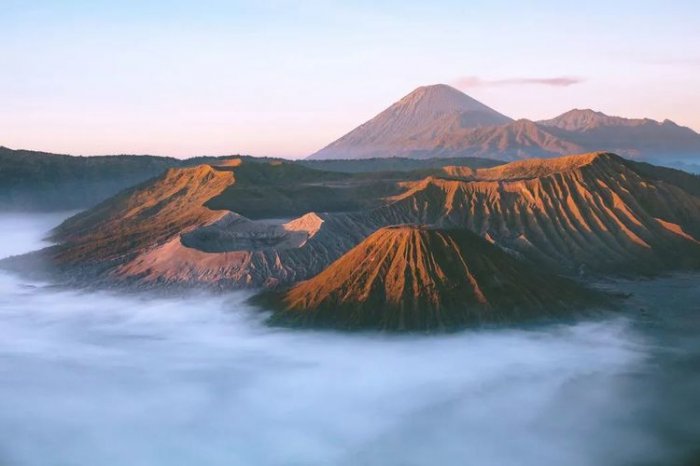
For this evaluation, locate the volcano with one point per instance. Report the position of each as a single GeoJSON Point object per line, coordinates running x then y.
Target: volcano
{"type": "Point", "coordinates": [412, 125]}
{"type": "Point", "coordinates": [440, 121]}
{"type": "Point", "coordinates": [422, 278]}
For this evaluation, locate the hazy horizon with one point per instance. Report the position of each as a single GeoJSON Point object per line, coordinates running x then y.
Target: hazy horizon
{"type": "Point", "coordinates": [286, 78]}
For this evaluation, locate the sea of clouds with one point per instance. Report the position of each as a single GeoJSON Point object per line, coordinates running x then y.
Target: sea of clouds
{"type": "Point", "coordinates": [100, 378]}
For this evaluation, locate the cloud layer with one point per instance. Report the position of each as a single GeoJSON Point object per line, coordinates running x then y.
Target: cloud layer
{"type": "Point", "coordinates": [465, 82]}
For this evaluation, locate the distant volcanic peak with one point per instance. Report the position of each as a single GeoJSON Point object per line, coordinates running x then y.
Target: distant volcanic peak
{"type": "Point", "coordinates": [413, 124]}
{"type": "Point", "coordinates": [578, 120]}
{"type": "Point", "coordinates": [419, 278]}
{"type": "Point", "coordinates": [582, 120]}
{"type": "Point", "coordinates": [632, 137]}
{"type": "Point", "coordinates": [440, 99]}
{"type": "Point", "coordinates": [585, 113]}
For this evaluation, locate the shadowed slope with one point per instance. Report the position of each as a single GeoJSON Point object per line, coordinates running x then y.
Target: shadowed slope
{"type": "Point", "coordinates": [517, 140]}
{"type": "Point", "coordinates": [395, 164]}
{"type": "Point", "coordinates": [419, 278]}
{"type": "Point", "coordinates": [39, 181]}
{"type": "Point", "coordinates": [285, 190]}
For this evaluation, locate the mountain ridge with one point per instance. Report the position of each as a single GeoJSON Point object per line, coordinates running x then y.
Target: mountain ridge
{"type": "Point", "coordinates": [462, 126]}
{"type": "Point", "coordinates": [590, 214]}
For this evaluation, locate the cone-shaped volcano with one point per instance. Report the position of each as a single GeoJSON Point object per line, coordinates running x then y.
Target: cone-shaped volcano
{"type": "Point", "coordinates": [421, 278]}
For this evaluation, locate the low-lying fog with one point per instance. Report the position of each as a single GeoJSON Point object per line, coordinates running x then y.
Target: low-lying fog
{"type": "Point", "coordinates": [105, 379]}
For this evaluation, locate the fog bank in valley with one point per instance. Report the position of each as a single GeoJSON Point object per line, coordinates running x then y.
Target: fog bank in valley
{"type": "Point", "coordinates": [90, 378]}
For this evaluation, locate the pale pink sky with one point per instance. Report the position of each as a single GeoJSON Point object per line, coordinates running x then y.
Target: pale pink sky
{"type": "Point", "coordinates": [285, 78]}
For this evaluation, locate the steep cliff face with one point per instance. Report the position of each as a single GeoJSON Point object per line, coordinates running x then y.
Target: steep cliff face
{"type": "Point", "coordinates": [421, 278]}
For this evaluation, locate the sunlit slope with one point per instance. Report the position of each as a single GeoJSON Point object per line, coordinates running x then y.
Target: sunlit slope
{"type": "Point", "coordinates": [578, 215]}
{"type": "Point", "coordinates": [418, 278]}
{"type": "Point", "coordinates": [187, 225]}
{"type": "Point", "coordinates": [594, 212]}
{"type": "Point", "coordinates": [148, 214]}
{"type": "Point", "coordinates": [186, 198]}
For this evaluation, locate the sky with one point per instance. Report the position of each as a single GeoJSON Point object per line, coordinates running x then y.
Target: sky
{"type": "Point", "coordinates": [285, 78]}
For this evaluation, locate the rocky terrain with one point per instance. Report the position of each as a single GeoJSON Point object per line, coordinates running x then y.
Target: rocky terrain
{"type": "Point", "coordinates": [244, 224]}
{"type": "Point", "coordinates": [422, 278]}
{"type": "Point", "coordinates": [595, 212]}
{"type": "Point", "coordinates": [440, 121]}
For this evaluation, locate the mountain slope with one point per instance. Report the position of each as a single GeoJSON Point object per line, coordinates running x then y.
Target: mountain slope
{"type": "Point", "coordinates": [420, 278]}
{"type": "Point", "coordinates": [439, 121]}
{"type": "Point", "coordinates": [38, 181]}
{"type": "Point", "coordinates": [175, 226]}
{"type": "Point", "coordinates": [411, 125]}
{"type": "Point", "coordinates": [592, 212]}
{"type": "Point", "coordinates": [148, 214]}
{"type": "Point", "coordinates": [517, 140]}
{"type": "Point", "coordinates": [632, 137]}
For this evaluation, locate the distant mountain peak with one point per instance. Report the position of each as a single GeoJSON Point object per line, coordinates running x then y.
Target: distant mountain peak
{"type": "Point", "coordinates": [584, 111]}
{"type": "Point", "coordinates": [579, 120]}
{"type": "Point", "coordinates": [414, 124]}
{"type": "Point", "coordinates": [438, 98]}
{"type": "Point", "coordinates": [441, 121]}
{"type": "Point", "coordinates": [587, 119]}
